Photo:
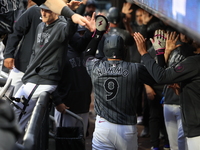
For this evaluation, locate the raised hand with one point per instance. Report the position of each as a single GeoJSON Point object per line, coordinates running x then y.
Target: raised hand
{"type": "Point", "coordinates": [92, 23]}
{"type": "Point", "coordinates": [140, 42]}
{"type": "Point", "coordinates": [126, 20]}
{"type": "Point", "coordinates": [126, 8]}
{"type": "Point", "coordinates": [76, 18]}
{"type": "Point", "coordinates": [171, 42]}
{"type": "Point", "coordinates": [159, 42]}
{"type": "Point", "coordinates": [73, 5]}
{"type": "Point", "coordinates": [84, 2]}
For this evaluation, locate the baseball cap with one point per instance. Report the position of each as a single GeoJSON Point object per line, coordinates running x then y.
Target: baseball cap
{"type": "Point", "coordinates": [43, 6]}
{"type": "Point", "coordinates": [91, 2]}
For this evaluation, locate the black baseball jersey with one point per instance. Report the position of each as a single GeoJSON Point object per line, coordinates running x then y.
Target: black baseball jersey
{"type": "Point", "coordinates": [188, 73]}
{"type": "Point", "coordinates": [115, 87]}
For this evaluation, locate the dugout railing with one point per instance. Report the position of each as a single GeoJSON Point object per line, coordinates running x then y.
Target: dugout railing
{"type": "Point", "coordinates": [37, 133]}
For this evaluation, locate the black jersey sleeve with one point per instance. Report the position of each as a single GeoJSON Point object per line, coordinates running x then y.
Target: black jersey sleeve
{"type": "Point", "coordinates": [144, 75]}
{"type": "Point", "coordinates": [21, 27]}
{"type": "Point", "coordinates": [79, 43]}
{"type": "Point", "coordinates": [39, 2]}
{"type": "Point", "coordinates": [182, 71]}
{"type": "Point", "coordinates": [90, 63]}
{"type": "Point", "coordinates": [161, 60]}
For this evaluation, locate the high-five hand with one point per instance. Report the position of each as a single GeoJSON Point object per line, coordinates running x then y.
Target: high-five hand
{"type": "Point", "coordinates": [171, 42]}
{"type": "Point", "coordinates": [141, 43]}
{"type": "Point", "coordinates": [159, 42]}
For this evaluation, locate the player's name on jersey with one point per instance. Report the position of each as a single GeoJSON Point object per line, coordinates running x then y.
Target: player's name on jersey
{"type": "Point", "coordinates": [112, 71]}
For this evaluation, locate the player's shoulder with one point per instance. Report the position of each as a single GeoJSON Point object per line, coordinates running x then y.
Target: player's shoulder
{"type": "Point", "coordinates": [193, 61]}
{"type": "Point", "coordinates": [91, 61]}
{"type": "Point", "coordinates": [130, 63]}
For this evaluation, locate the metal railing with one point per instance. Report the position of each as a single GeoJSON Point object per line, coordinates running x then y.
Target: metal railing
{"type": "Point", "coordinates": [36, 136]}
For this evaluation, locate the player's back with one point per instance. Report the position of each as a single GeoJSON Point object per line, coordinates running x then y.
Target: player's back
{"type": "Point", "coordinates": [116, 85]}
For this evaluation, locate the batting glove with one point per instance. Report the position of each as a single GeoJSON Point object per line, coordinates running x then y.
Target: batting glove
{"type": "Point", "coordinates": [159, 42]}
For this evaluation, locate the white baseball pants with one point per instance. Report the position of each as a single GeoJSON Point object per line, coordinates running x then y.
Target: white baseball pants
{"type": "Point", "coordinates": [110, 136]}
{"type": "Point", "coordinates": [193, 143]}
{"type": "Point", "coordinates": [16, 77]}
{"type": "Point", "coordinates": [26, 90]}
{"type": "Point", "coordinates": [172, 116]}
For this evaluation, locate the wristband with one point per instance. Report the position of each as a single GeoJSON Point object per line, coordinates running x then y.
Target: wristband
{"type": "Point", "coordinates": [67, 12]}
{"type": "Point", "coordinates": [160, 51]}
{"type": "Point", "coordinates": [98, 34]}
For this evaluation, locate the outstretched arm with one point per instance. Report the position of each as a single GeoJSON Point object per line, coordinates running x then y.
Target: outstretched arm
{"type": "Point", "coordinates": [126, 9]}
{"type": "Point", "coordinates": [61, 8]}
{"type": "Point", "coordinates": [101, 27]}
{"type": "Point", "coordinates": [182, 71]}
{"type": "Point", "coordinates": [170, 44]}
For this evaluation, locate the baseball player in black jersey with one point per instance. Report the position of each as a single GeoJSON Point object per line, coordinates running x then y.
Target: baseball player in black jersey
{"type": "Point", "coordinates": [188, 73]}
{"type": "Point", "coordinates": [115, 85]}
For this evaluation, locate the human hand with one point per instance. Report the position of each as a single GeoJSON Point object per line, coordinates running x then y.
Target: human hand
{"type": "Point", "coordinates": [92, 22]}
{"type": "Point", "coordinates": [171, 42]}
{"type": "Point", "coordinates": [73, 5]}
{"type": "Point", "coordinates": [76, 18]}
{"type": "Point", "coordinates": [175, 87]}
{"type": "Point", "coordinates": [150, 92]}
{"type": "Point", "coordinates": [126, 8]}
{"type": "Point", "coordinates": [159, 42]}
{"type": "Point", "coordinates": [84, 2]}
{"type": "Point", "coordinates": [9, 63]}
{"type": "Point", "coordinates": [61, 108]}
{"type": "Point", "coordinates": [140, 42]}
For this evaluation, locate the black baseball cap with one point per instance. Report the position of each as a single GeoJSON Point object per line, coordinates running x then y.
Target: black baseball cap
{"type": "Point", "coordinates": [43, 6]}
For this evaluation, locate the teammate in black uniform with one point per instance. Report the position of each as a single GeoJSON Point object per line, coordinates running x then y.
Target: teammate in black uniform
{"type": "Point", "coordinates": [188, 73]}
{"type": "Point", "coordinates": [115, 85]}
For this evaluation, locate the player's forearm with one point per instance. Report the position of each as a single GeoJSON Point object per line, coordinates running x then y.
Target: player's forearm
{"type": "Point", "coordinates": [60, 8]}
{"type": "Point", "coordinates": [166, 55]}
{"type": "Point", "coordinates": [161, 60]}
{"type": "Point", "coordinates": [55, 8]}
{"type": "Point", "coordinates": [92, 46]}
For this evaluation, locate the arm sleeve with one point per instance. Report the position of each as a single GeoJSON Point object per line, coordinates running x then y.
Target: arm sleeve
{"type": "Point", "coordinates": [67, 12]}
{"type": "Point", "coordinates": [70, 29]}
{"type": "Point", "coordinates": [90, 51]}
{"type": "Point", "coordinates": [92, 46]}
{"type": "Point", "coordinates": [21, 27]}
{"type": "Point", "coordinates": [129, 41]}
{"type": "Point", "coordinates": [182, 71]}
{"type": "Point", "coordinates": [90, 64]}
{"type": "Point", "coordinates": [57, 97]}
{"type": "Point", "coordinates": [161, 60]}
{"type": "Point", "coordinates": [144, 76]}
{"type": "Point", "coordinates": [81, 9]}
